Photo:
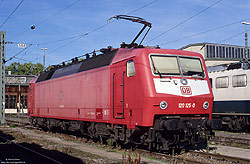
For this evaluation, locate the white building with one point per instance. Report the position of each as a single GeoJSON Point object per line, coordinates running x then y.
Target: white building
{"type": "Point", "coordinates": [216, 54]}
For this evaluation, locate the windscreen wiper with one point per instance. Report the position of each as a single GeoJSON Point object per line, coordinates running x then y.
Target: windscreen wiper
{"type": "Point", "coordinates": [155, 69]}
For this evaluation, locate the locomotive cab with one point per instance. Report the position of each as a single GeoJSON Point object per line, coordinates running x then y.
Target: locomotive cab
{"type": "Point", "coordinates": [181, 88]}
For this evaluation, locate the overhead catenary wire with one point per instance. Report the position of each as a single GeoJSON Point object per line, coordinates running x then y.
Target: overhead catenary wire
{"type": "Point", "coordinates": [60, 40]}
{"type": "Point", "coordinates": [22, 59]}
{"type": "Point", "coordinates": [44, 20]}
{"type": "Point", "coordinates": [100, 27]}
{"type": "Point", "coordinates": [176, 40]}
{"type": "Point", "coordinates": [41, 23]}
{"type": "Point", "coordinates": [235, 35]}
{"type": "Point", "coordinates": [18, 53]}
{"type": "Point", "coordinates": [79, 36]}
{"type": "Point", "coordinates": [196, 34]}
{"type": "Point", "coordinates": [200, 33]}
{"type": "Point", "coordinates": [73, 3]}
{"type": "Point", "coordinates": [11, 14]}
{"type": "Point", "coordinates": [16, 43]}
{"type": "Point", "coordinates": [1, 3]}
{"type": "Point", "coordinates": [183, 21]}
{"type": "Point", "coordinates": [142, 7]}
{"type": "Point", "coordinates": [203, 32]}
{"type": "Point", "coordinates": [24, 54]}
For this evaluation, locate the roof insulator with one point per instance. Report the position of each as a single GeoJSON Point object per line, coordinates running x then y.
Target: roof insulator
{"type": "Point", "coordinates": [87, 56]}
{"type": "Point", "coordinates": [76, 59]}
{"type": "Point", "coordinates": [157, 47]}
{"type": "Point", "coordinates": [94, 54]}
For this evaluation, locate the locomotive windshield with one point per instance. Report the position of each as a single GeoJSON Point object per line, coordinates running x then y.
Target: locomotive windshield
{"type": "Point", "coordinates": [176, 65]}
{"type": "Point", "coordinates": [165, 65]}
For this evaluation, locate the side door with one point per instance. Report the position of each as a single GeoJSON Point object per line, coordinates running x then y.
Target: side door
{"type": "Point", "coordinates": [122, 72]}
{"type": "Point", "coordinates": [118, 76]}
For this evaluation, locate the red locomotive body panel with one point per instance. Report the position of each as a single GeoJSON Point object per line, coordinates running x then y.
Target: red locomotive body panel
{"type": "Point", "coordinates": [156, 97]}
{"type": "Point", "coordinates": [106, 94]}
{"type": "Point", "coordinates": [78, 96]}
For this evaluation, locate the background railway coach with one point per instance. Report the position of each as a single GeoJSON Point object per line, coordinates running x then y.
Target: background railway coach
{"type": "Point", "coordinates": [230, 85]}
{"type": "Point", "coordinates": [160, 98]}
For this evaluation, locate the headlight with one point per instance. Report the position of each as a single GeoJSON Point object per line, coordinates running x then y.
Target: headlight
{"type": "Point", "coordinates": [205, 105]}
{"type": "Point", "coordinates": [163, 105]}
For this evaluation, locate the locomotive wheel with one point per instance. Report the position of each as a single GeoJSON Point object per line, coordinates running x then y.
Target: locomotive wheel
{"type": "Point", "coordinates": [103, 140]}
{"type": "Point", "coordinates": [33, 121]}
{"type": "Point", "coordinates": [234, 125]}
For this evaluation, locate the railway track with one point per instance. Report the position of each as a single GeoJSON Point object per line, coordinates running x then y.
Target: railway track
{"type": "Point", "coordinates": [191, 157]}
{"type": "Point", "coordinates": [167, 158]}
{"type": "Point", "coordinates": [218, 158]}
{"type": "Point", "coordinates": [236, 142]}
{"type": "Point", "coordinates": [21, 122]}
{"type": "Point", "coordinates": [232, 139]}
{"type": "Point", "coordinates": [195, 157]}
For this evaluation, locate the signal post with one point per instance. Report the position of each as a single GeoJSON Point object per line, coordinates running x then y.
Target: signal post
{"type": "Point", "coordinates": [2, 77]}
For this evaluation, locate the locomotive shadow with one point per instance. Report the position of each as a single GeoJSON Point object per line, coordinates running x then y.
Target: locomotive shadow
{"type": "Point", "coordinates": [11, 153]}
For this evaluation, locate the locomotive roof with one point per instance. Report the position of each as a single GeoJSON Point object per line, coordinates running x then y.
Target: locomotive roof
{"type": "Point", "coordinates": [94, 62]}
{"type": "Point", "coordinates": [110, 57]}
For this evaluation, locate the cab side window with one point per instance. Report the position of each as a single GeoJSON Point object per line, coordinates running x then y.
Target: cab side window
{"type": "Point", "coordinates": [130, 68]}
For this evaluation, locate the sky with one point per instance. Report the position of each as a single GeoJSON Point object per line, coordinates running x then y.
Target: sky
{"type": "Point", "coordinates": [175, 23]}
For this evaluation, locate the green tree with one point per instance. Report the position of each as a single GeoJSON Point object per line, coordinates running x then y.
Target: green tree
{"type": "Point", "coordinates": [24, 69]}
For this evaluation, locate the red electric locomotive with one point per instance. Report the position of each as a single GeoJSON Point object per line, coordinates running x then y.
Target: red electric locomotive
{"type": "Point", "coordinates": [156, 97]}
